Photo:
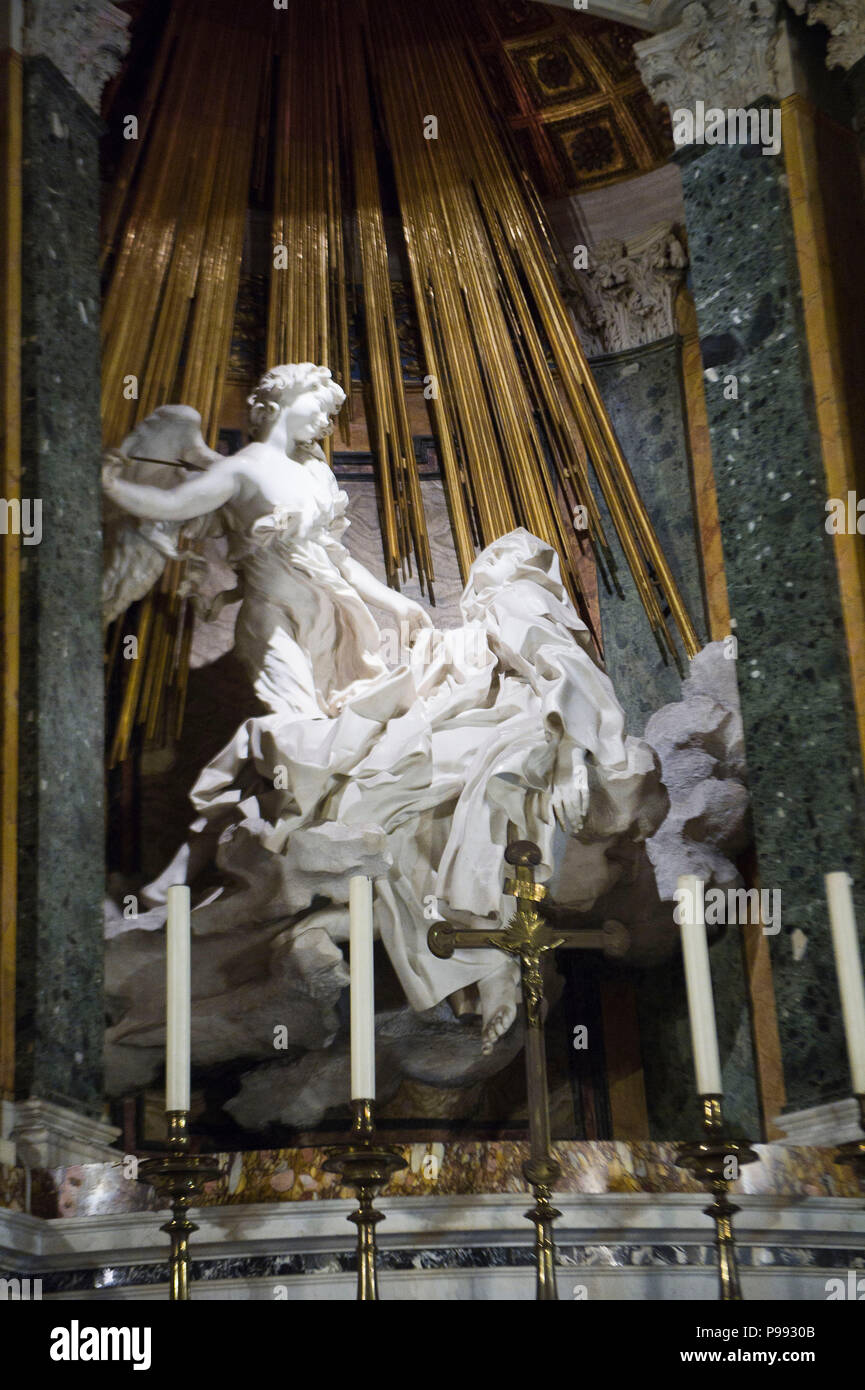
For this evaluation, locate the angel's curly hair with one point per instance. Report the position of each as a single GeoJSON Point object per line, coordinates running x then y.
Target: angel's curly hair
{"type": "Point", "coordinates": [278, 388]}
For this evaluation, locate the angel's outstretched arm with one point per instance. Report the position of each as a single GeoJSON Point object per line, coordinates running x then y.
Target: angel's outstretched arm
{"type": "Point", "coordinates": [195, 498]}
{"type": "Point", "coordinates": [371, 590]}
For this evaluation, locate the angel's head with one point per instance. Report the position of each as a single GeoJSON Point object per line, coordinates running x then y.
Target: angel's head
{"type": "Point", "coordinates": [304, 397]}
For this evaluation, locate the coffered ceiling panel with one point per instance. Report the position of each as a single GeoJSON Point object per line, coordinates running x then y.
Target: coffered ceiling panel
{"type": "Point", "coordinates": [567, 85]}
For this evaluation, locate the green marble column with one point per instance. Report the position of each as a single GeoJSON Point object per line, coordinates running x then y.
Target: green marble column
{"type": "Point", "coordinates": [800, 729]}
{"type": "Point", "coordinates": [642, 389]}
{"type": "Point", "coordinates": [59, 973]}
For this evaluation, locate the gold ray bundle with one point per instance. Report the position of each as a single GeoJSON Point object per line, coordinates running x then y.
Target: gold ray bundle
{"type": "Point", "coordinates": [360, 116]}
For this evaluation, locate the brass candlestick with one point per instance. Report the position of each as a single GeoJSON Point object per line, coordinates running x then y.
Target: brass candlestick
{"type": "Point", "coordinates": [709, 1160]}
{"type": "Point", "coordinates": [528, 937]}
{"type": "Point", "coordinates": [852, 1154]}
{"type": "Point", "coordinates": [179, 1176]}
{"type": "Point", "coordinates": [366, 1165]}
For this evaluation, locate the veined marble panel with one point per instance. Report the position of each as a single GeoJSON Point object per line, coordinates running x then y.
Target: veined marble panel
{"type": "Point", "coordinates": [462, 1170]}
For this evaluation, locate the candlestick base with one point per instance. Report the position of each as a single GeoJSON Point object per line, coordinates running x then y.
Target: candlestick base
{"type": "Point", "coordinates": [715, 1161]}
{"type": "Point", "coordinates": [366, 1166]}
{"type": "Point", "coordinates": [179, 1176]}
{"type": "Point", "coordinates": [852, 1154]}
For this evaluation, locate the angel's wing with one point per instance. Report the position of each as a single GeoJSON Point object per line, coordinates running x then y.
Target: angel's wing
{"type": "Point", "coordinates": [136, 551]}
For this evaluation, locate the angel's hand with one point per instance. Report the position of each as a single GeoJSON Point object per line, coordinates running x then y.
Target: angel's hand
{"type": "Point", "coordinates": [112, 467]}
{"type": "Point", "coordinates": [417, 618]}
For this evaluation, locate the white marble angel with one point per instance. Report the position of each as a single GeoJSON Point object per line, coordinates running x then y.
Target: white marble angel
{"type": "Point", "coordinates": [506, 729]}
{"type": "Point", "coordinates": [304, 632]}
{"type": "Point", "coordinates": [136, 548]}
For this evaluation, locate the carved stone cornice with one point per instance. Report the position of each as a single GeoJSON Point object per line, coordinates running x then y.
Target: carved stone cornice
{"type": "Point", "coordinates": [85, 40]}
{"type": "Point", "coordinates": [845, 20]}
{"type": "Point", "coordinates": [721, 52]}
{"type": "Point", "coordinates": [627, 294]}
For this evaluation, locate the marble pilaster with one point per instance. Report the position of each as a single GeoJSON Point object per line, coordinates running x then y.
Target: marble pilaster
{"type": "Point", "coordinates": [642, 390]}
{"type": "Point", "coordinates": [625, 309]}
{"type": "Point", "coordinates": [794, 673]}
{"type": "Point", "coordinates": [70, 51]}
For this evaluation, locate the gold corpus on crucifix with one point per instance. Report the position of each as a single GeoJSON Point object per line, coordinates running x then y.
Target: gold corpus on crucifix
{"type": "Point", "coordinates": [528, 937]}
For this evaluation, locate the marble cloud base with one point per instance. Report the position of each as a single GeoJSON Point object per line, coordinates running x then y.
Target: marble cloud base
{"type": "Point", "coordinates": [273, 1226]}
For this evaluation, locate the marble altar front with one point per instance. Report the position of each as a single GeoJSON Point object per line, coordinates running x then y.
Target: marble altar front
{"type": "Point", "coordinates": [273, 1226]}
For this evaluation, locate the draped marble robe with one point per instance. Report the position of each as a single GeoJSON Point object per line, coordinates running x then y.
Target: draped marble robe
{"type": "Point", "coordinates": [497, 729]}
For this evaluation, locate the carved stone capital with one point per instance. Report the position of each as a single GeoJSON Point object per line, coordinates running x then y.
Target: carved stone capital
{"type": "Point", "coordinates": [628, 292]}
{"type": "Point", "coordinates": [845, 20]}
{"type": "Point", "coordinates": [721, 52]}
{"type": "Point", "coordinates": [85, 40]}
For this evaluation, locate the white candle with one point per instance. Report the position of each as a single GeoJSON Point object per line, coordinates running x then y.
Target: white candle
{"type": "Point", "coordinates": [177, 1006]}
{"type": "Point", "coordinates": [848, 964]}
{"type": "Point", "coordinates": [362, 990]}
{"type": "Point", "coordinates": [698, 979]}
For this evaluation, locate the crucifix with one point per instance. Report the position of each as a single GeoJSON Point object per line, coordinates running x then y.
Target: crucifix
{"type": "Point", "coordinates": [529, 936]}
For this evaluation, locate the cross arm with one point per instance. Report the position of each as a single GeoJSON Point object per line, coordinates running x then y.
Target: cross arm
{"type": "Point", "coordinates": [612, 938]}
